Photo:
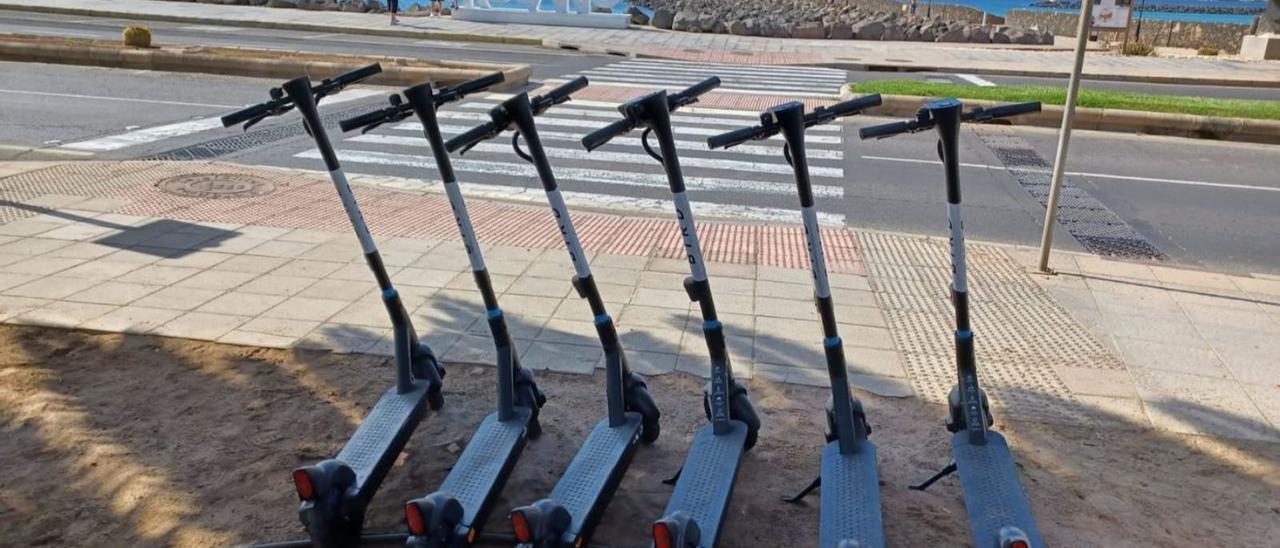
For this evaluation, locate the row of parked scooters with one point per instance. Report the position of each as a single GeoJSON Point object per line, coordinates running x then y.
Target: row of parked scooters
{"type": "Point", "coordinates": [336, 492]}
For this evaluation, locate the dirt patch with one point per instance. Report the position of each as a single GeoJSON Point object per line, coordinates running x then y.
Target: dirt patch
{"type": "Point", "coordinates": [123, 440]}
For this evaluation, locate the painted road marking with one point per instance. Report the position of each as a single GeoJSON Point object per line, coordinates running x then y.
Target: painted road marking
{"type": "Point", "coordinates": [122, 99]}
{"type": "Point", "coordinates": [1135, 178]}
{"type": "Point", "coordinates": [169, 131]}
{"type": "Point", "coordinates": [976, 80]}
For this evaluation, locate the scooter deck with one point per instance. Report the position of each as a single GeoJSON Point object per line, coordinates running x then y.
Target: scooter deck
{"type": "Point", "coordinates": [993, 493]}
{"type": "Point", "coordinates": [850, 497]}
{"type": "Point", "coordinates": [485, 464]}
{"type": "Point", "coordinates": [706, 481]}
{"type": "Point", "coordinates": [588, 483]}
{"type": "Point", "coordinates": [377, 442]}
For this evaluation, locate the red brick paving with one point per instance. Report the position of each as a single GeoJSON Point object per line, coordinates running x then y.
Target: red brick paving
{"type": "Point", "coordinates": [308, 202]}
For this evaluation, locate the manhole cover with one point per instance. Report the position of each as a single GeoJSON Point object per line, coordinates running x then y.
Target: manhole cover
{"type": "Point", "coordinates": [216, 185]}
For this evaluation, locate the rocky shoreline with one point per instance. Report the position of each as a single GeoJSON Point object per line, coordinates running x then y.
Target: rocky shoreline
{"type": "Point", "coordinates": [1159, 8]}
{"type": "Point", "coordinates": [829, 19]}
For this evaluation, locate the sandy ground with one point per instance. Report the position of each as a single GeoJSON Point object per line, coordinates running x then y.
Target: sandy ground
{"type": "Point", "coordinates": [121, 440]}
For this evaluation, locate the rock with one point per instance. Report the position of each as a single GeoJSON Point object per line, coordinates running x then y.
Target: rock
{"type": "Point", "coordinates": [261, 3]}
{"type": "Point", "coordinates": [953, 35]}
{"type": "Point", "coordinates": [809, 30]}
{"type": "Point", "coordinates": [637, 17]}
{"type": "Point", "coordinates": [999, 37]}
{"type": "Point", "coordinates": [281, 4]}
{"type": "Point", "coordinates": [1023, 36]}
{"type": "Point", "coordinates": [840, 31]}
{"type": "Point", "coordinates": [719, 27]}
{"type": "Point", "coordinates": [977, 35]}
{"type": "Point", "coordinates": [707, 22]}
{"type": "Point", "coordinates": [926, 35]}
{"type": "Point", "coordinates": [352, 6]}
{"type": "Point", "coordinates": [662, 18]}
{"type": "Point", "coordinates": [446, 11]}
{"type": "Point", "coordinates": [684, 20]}
{"type": "Point", "coordinates": [868, 30]}
{"type": "Point", "coordinates": [893, 32]}
{"type": "Point", "coordinates": [1046, 37]}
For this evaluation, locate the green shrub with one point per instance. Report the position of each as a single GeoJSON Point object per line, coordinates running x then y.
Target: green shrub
{"type": "Point", "coordinates": [1207, 50]}
{"type": "Point", "coordinates": [136, 36]}
{"type": "Point", "coordinates": [1141, 49]}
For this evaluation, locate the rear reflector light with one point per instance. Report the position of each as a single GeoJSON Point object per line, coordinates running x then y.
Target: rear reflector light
{"type": "Point", "coordinates": [520, 523]}
{"type": "Point", "coordinates": [661, 535]}
{"type": "Point", "coordinates": [302, 482]}
{"type": "Point", "coordinates": [413, 516]}
{"type": "Point", "coordinates": [1019, 544]}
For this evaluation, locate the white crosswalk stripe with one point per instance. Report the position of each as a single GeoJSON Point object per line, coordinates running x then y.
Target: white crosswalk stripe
{"type": "Point", "coordinates": [750, 181]}
{"type": "Point", "coordinates": [749, 79]}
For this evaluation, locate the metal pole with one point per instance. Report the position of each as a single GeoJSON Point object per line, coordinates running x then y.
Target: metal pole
{"type": "Point", "coordinates": [1064, 136]}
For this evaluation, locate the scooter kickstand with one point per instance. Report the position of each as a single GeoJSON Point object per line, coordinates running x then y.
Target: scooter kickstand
{"type": "Point", "coordinates": [816, 483]}
{"type": "Point", "coordinates": [673, 479]}
{"type": "Point", "coordinates": [946, 471]}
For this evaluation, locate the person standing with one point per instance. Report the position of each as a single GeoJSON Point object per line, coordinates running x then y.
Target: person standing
{"type": "Point", "coordinates": [437, 6]}
{"type": "Point", "coordinates": [393, 6]}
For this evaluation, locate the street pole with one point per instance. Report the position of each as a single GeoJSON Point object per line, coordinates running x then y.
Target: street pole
{"type": "Point", "coordinates": [1064, 135]}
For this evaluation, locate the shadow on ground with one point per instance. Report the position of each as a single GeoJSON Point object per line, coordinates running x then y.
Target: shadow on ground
{"type": "Point", "coordinates": [114, 440]}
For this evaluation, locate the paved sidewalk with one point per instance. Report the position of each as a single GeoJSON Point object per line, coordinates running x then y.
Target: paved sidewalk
{"type": "Point", "coordinates": [703, 47]}
{"type": "Point", "coordinates": [263, 257]}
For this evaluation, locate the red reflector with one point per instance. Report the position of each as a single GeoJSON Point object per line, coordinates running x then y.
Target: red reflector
{"type": "Point", "coordinates": [413, 516]}
{"type": "Point", "coordinates": [661, 535]}
{"type": "Point", "coordinates": [302, 482]}
{"type": "Point", "coordinates": [520, 523]}
{"type": "Point", "coordinates": [1019, 544]}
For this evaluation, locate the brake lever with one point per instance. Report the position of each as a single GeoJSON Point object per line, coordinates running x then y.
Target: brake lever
{"type": "Point", "coordinates": [250, 123]}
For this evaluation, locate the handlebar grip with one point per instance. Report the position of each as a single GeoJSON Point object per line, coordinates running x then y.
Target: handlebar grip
{"type": "Point", "coordinates": [1013, 110]}
{"type": "Point", "coordinates": [471, 136]}
{"type": "Point", "coordinates": [854, 106]}
{"type": "Point", "coordinates": [246, 114]}
{"type": "Point", "coordinates": [885, 130]}
{"type": "Point", "coordinates": [599, 137]}
{"type": "Point", "coordinates": [694, 91]}
{"type": "Point", "coordinates": [348, 78]}
{"type": "Point", "coordinates": [566, 89]}
{"type": "Point", "coordinates": [367, 118]}
{"type": "Point", "coordinates": [481, 83]}
{"type": "Point", "coordinates": [734, 137]}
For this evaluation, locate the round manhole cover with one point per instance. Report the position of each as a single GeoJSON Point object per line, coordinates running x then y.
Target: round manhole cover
{"type": "Point", "coordinates": [216, 185]}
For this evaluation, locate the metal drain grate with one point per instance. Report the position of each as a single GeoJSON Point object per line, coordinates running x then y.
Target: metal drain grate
{"type": "Point", "coordinates": [1022, 334]}
{"type": "Point", "coordinates": [1091, 223]}
{"type": "Point", "coordinates": [255, 138]}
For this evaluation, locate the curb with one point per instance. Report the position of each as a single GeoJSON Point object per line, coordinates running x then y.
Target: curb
{"type": "Point", "coordinates": [305, 27]}
{"type": "Point", "coordinates": [395, 70]}
{"type": "Point", "coordinates": [1105, 119]}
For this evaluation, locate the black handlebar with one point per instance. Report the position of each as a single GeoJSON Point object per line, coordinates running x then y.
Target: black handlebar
{"type": "Point", "coordinates": [280, 104]}
{"type": "Point", "coordinates": [769, 127]}
{"type": "Point", "coordinates": [630, 113]}
{"type": "Point", "coordinates": [981, 115]}
{"type": "Point", "coordinates": [399, 110]}
{"type": "Point", "coordinates": [471, 137]}
{"type": "Point", "coordinates": [501, 118]}
{"type": "Point", "coordinates": [599, 137]}
{"type": "Point", "coordinates": [558, 95]}
{"type": "Point", "coordinates": [924, 120]}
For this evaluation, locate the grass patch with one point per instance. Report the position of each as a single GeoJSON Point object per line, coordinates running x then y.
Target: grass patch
{"type": "Point", "coordinates": [1205, 106]}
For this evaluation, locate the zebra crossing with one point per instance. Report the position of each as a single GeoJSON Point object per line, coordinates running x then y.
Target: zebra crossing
{"type": "Point", "coordinates": [751, 181]}
{"type": "Point", "coordinates": [744, 79]}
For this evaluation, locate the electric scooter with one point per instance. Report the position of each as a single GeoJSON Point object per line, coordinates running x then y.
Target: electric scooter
{"type": "Point", "coordinates": [704, 485]}
{"type": "Point", "coordinates": [850, 483]}
{"type": "Point", "coordinates": [999, 513]}
{"type": "Point", "coordinates": [568, 516]}
{"type": "Point", "coordinates": [452, 515]}
{"type": "Point", "coordinates": [336, 492]}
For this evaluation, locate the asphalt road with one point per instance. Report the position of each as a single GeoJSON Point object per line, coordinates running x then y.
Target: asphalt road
{"type": "Point", "coordinates": [1200, 203]}
{"type": "Point", "coordinates": [546, 63]}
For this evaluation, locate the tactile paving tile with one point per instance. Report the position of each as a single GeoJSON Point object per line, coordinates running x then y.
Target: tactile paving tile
{"type": "Point", "coordinates": [1020, 332]}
